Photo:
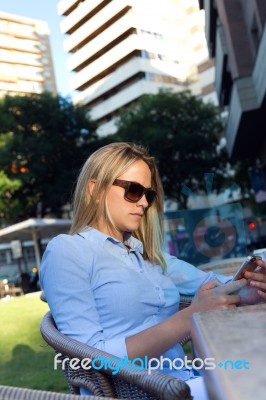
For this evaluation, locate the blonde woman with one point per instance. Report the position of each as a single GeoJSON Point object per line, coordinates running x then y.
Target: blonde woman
{"type": "Point", "coordinates": [108, 283]}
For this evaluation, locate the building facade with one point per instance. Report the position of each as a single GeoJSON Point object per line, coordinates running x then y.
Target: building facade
{"type": "Point", "coordinates": [236, 37]}
{"type": "Point", "coordinates": [121, 49]}
{"type": "Point", "coordinates": [25, 56]}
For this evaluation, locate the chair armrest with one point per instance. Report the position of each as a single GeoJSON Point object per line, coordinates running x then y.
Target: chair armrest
{"type": "Point", "coordinates": [158, 385]}
{"type": "Point", "coordinates": [15, 393]}
{"type": "Point", "coordinates": [42, 296]}
{"type": "Point", "coordinates": [185, 301]}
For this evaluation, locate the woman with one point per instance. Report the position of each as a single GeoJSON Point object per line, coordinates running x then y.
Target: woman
{"type": "Point", "coordinates": [108, 283]}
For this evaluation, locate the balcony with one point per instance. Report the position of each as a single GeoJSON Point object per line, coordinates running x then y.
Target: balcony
{"type": "Point", "coordinates": [27, 46]}
{"type": "Point", "coordinates": [105, 62]}
{"type": "Point", "coordinates": [126, 96]}
{"type": "Point", "coordinates": [78, 14]}
{"type": "Point", "coordinates": [64, 7]}
{"type": "Point", "coordinates": [95, 24]}
{"type": "Point", "coordinates": [123, 76]}
{"type": "Point", "coordinates": [100, 42]}
{"type": "Point", "coordinates": [223, 81]}
{"type": "Point", "coordinates": [108, 128]}
{"type": "Point", "coordinates": [246, 120]}
{"type": "Point", "coordinates": [111, 81]}
{"type": "Point", "coordinates": [210, 23]}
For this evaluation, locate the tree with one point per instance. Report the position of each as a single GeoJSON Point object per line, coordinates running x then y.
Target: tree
{"type": "Point", "coordinates": [7, 189]}
{"type": "Point", "coordinates": [44, 141]}
{"type": "Point", "coordinates": [183, 134]}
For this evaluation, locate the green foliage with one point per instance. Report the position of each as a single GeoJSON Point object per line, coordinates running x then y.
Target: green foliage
{"type": "Point", "coordinates": [183, 133]}
{"type": "Point", "coordinates": [8, 188]}
{"type": "Point", "coordinates": [44, 141]}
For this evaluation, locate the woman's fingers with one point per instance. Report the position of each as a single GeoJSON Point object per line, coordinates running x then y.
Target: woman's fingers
{"type": "Point", "coordinates": [257, 279]}
{"type": "Point", "coordinates": [262, 294]}
{"type": "Point", "coordinates": [259, 275]}
{"type": "Point", "coordinates": [231, 287]}
{"type": "Point", "coordinates": [210, 285]}
{"type": "Point", "coordinates": [261, 264]}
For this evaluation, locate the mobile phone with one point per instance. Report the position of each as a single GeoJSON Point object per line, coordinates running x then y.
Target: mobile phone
{"type": "Point", "coordinates": [248, 265]}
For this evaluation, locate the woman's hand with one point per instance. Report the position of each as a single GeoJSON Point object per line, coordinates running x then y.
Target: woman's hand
{"type": "Point", "coordinates": [257, 279]}
{"type": "Point", "coordinates": [215, 296]}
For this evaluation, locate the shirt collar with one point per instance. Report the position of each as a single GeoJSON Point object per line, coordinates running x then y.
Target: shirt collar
{"type": "Point", "coordinates": [100, 238]}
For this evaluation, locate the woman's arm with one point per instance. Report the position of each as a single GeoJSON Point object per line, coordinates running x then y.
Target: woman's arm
{"type": "Point", "coordinates": [65, 278]}
{"type": "Point", "coordinates": [154, 341]}
{"type": "Point", "coordinates": [187, 278]}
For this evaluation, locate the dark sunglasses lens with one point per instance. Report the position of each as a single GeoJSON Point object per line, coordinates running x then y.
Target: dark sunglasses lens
{"type": "Point", "coordinates": [134, 192]}
{"type": "Point", "coordinates": [150, 196]}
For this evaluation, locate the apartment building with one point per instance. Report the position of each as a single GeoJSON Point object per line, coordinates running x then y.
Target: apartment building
{"type": "Point", "coordinates": [236, 36]}
{"type": "Point", "coordinates": [121, 49]}
{"type": "Point", "coordinates": [25, 56]}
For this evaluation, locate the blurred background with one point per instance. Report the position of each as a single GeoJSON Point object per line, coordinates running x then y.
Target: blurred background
{"type": "Point", "coordinates": [185, 79]}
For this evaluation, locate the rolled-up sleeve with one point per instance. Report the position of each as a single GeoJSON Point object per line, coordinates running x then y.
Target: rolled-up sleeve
{"type": "Point", "coordinates": [65, 278]}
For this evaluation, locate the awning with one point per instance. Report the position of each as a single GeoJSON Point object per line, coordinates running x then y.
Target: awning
{"type": "Point", "coordinates": [35, 229]}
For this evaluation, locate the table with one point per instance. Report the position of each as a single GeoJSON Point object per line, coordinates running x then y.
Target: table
{"type": "Point", "coordinates": [236, 339]}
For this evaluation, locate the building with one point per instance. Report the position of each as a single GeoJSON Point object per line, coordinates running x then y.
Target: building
{"type": "Point", "coordinates": [236, 37]}
{"type": "Point", "coordinates": [25, 56]}
{"type": "Point", "coordinates": [121, 49]}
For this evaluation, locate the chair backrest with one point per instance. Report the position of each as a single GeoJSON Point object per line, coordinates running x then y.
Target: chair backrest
{"type": "Point", "coordinates": [100, 379]}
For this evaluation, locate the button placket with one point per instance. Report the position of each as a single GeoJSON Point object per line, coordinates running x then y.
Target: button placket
{"type": "Point", "coordinates": [160, 294]}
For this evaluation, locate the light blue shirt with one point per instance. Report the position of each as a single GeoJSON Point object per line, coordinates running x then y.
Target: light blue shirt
{"type": "Point", "coordinates": [99, 293]}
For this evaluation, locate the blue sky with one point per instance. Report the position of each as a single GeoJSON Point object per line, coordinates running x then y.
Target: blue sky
{"type": "Point", "coordinates": [45, 10]}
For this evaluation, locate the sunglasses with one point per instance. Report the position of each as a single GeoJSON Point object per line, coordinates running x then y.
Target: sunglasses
{"type": "Point", "coordinates": [134, 191]}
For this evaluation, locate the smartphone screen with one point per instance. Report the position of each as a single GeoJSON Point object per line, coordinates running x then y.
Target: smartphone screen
{"type": "Point", "coordinates": [248, 265]}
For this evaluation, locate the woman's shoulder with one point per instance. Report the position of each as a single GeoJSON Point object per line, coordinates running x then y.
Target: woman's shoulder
{"type": "Point", "coordinates": [80, 237]}
{"type": "Point", "coordinates": [70, 243]}
{"type": "Point", "coordinates": [66, 250]}
{"type": "Point", "coordinates": [65, 239]}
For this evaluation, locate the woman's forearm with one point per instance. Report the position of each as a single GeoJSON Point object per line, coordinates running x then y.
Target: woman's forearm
{"type": "Point", "coordinates": [154, 341]}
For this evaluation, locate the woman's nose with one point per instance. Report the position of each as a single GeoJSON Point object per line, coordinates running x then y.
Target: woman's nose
{"type": "Point", "coordinates": [143, 202]}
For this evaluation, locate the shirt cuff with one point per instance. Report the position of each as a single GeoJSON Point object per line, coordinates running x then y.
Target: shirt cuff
{"type": "Point", "coordinates": [117, 347]}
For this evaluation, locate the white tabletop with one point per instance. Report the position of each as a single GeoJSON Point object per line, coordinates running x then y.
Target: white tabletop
{"type": "Point", "coordinates": [236, 339]}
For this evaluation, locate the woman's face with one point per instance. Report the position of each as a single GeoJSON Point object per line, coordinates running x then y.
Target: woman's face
{"type": "Point", "coordinates": [126, 216]}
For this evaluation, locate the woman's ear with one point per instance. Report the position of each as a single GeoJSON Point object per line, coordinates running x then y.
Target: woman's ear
{"type": "Point", "coordinates": [91, 185]}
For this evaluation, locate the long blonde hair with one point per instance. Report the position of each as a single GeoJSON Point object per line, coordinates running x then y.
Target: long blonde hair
{"type": "Point", "coordinates": [104, 166]}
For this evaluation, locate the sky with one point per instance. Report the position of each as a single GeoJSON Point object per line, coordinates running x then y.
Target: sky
{"type": "Point", "coordinates": [45, 10]}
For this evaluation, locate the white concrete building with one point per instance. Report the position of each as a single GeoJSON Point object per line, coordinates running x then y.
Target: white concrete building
{"type": "Point", "coordinates": [25, 56]}
{"type": "Point", "coordinates": [122, 49]}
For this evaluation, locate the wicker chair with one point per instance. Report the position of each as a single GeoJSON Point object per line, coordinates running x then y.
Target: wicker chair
{"type": "Point", "coordinates": [125, 384]}
{"type": "Point", "coordinates": [100, 380]}
{"type": "Point", "coordinates": [15, 393]}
